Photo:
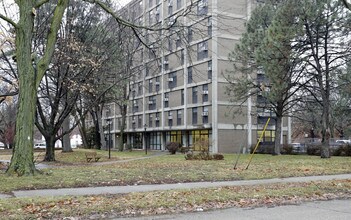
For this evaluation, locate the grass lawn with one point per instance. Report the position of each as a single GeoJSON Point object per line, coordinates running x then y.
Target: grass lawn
{"type": "Point", "coordinates": [171, 169]}
{"type": "Point", "coordinates": [72, 170]}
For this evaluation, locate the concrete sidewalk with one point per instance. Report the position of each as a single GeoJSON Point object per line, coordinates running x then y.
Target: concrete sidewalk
{"type": "Point", "coordinates": [326, 210]}
{"type": "Point", "coordinates": [146, 188]}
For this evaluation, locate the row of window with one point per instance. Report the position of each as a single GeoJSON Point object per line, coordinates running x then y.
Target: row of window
{"type": "Point", "coordinates": [155, 86]}
{"type": "Point", "coordinates": [177, 119]}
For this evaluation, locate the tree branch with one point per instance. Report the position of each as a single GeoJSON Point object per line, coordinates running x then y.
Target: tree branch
{"type": "Point", "coordinates": [3, 17]}
{"type": "Point", "coordinates": [40, 3]}
{"type": "Point", "coordinates": [347, 4]}
{"type": "Point", "coordinates": [52, 36]}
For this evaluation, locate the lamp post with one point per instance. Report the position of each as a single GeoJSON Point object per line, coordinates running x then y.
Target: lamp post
{"type": "Point", "coordinates": [109, 137]}
{"type": "Point", "coordinates": [145, 139]}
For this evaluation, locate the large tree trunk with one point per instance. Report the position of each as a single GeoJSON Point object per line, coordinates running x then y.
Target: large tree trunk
{"type": "Point", "coordinates": [22, 162]}
{"type": "Point", "coordinates": [66, 140]}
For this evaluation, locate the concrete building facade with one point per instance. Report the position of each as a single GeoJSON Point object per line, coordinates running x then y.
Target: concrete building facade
{"type": "Point", "coordinates": [178, 93]}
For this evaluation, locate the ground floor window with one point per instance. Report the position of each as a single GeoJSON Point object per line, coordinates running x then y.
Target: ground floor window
{"type": "Point", "coordinates": [200, 138]}
{"type": "Point", "coordinates": [268, 137]}
{"type": "Point", "coordinates": [174, 136]}
{"type": "Point", "coordinates": [154, 141]}
{"type": "Point", "coordinates": [136, 140]}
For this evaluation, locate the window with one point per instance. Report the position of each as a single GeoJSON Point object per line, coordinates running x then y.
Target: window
{"type": "Point", "coordinates": [194, 95]}
{"type": "Point", "coordinates": [150, 120]}
{"type": "Point", "coordinates": [205, 115]}
{"type": "Point", "coordinates": [152, 102]}
{"type": "Point", "coordinates": [261, 100]}
{"type": "Point", "coordinates": [179, 4]}
{"type": "Point", "coordinates": [170, 7]}
{"type": "Point", "coordinates": [159, 65]}
{"type": "Point", "coordinates": [157, 14]}
{"type": "Point", "coordinates": [150, 3]}
{"type": "Point", "coordinates": [140, 121]}
{"type": "Point", "coordinates": [166, 100]}
{"type": "Point", "coordinates": [170, 119]}
{"type": "Point", "coordinates": [170, 46]}
{"type": "Point", "coordinates": [202, 50]}
{"type": "Point", "coordinates": [151, 16]}
{"type": "Point", "coordinates": [150, 86]}
{"type": "Point", "coordinates": [178, 42]}
{"type": "Point", "coordinates": [172, 80]}
{"type": "Point", "coordinates": [157, 84]}
{"type": "Point", "coordinates": [194, 115]}
{"type": "Point", "coordinates": [202, 7]}
{"type": "Point", "coordinates": [140, 88]}
{"type": "Point", "coordinates": [209, 69]}
{"type": "Point", "coordinates": [157, 119]}
{"type": "Point", "coordinates": [179, 117]}
{"type": "Point", "coordinates": [268, 136]}
{"type": "Point", "coordinates": [147, 70]}
{"type": "Point", "coordinates": [166, 64]}
{"type": "Point", "coordinates": [205, 93]}
{"type": "Point", "coordinates": [133, 122]}
{"type": "Point", "coordinates": [135, 106]}
{"type": "Point", "coordinates": [182, 97]}
{"type": "Point", "coordinates": [190, 75]}
{"type": "Point", "coordinates": [209, 26]}
{"type": "Point", "coordinates": [190, 34]}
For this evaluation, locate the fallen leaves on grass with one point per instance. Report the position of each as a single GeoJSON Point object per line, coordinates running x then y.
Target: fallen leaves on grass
{"type": "Point", "coordinates": [175, 201]}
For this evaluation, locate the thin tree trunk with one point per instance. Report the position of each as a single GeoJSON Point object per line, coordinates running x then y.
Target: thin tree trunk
{"type": "Point", "coordinates": [103, 142]}
{"type": "Point", "coordinates": [66, 140]}
{"type": "Point", "coordinates": [83, 133]}
{"type": "Point", "coordinates": [123, 109]}
{"type": "Point", "coordinates": [278, 133]}
{"type": "Point", "coordinates": [50, 148]}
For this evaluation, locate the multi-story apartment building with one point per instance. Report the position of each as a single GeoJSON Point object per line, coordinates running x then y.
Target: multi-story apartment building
{"type": "Point", "coordinates": [178, 92]}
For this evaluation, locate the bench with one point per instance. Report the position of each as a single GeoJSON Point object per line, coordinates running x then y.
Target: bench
{"type": "Point", "coordinates": [92, 156]}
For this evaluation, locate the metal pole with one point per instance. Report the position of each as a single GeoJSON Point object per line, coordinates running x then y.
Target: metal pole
{"type": "Point", "coordinates": [109, 140]}
{"type": "Point", "coordinates": [145, 140]}
{"type": "Point", "coordinates": [259, 140]}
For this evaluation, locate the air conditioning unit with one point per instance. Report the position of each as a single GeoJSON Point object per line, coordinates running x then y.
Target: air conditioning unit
{"type": "Point", "coordinates": [166, 99]}
{"type": "Point", "coordinates": [151, 102]}
{"type": "Point", "coordinates": [170, 79]}
{"type": "Point", "coordinates": [205, 92]}
{"type": "Point", "coordinates": [204, 114]}
{"type": "Point", "coordinates": [157, 83]}
{"type": "Point", "coordinates": [133, 121]}
{"type": "Point", "coordinates": [165, 62]}
{"type": "Point", "coordinates": [170, 117]}
{"type": "Point", "coordinates": [209, 68]}
{"type": "Point", "coordinates": [157, 119]}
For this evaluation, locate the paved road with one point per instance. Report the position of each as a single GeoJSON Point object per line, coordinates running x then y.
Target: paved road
{"type": "Point", "coordinates": [146, 188]}
{"type": "Point", "coordinates": [320, 210]}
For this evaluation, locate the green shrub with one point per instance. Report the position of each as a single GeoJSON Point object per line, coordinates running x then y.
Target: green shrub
{"type": "Point", "coordinates": [172, 147]}
{"type": "Point", "coordinates": [185, 149]}
{"type": "Point", "coordinates": [343, 150]}
{"type": "Point", "coordinates": [218, 157]}
{"type": "Point", "coordinates": [189, 156]}
{"type": "Point", "coordinates": [263, 149]}
{"type": "Point", "coordinates": [314, 149]}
